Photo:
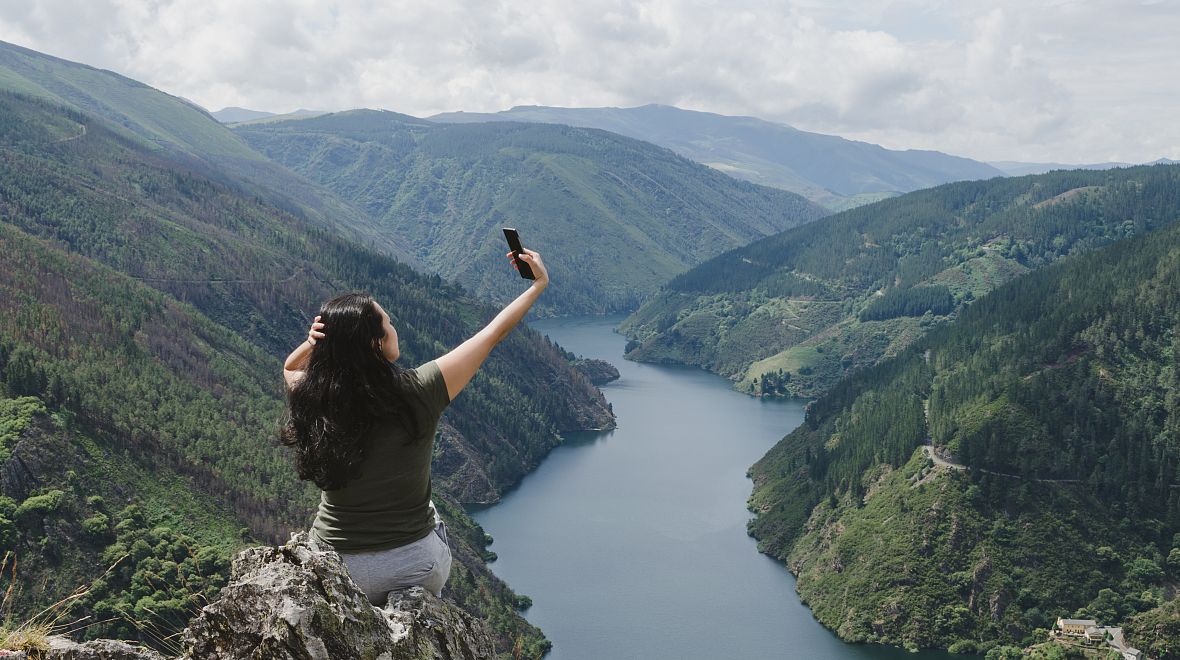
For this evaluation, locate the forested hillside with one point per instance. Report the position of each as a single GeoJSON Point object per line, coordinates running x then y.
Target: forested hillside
{"type": "Point", "coordinates": [160, 121]}
{"type": "Point", "coordinates": [149, 307]}
{"type": "Point", "coordinates": [614, 217]}
{"type": "Point", "coordinates": [791, 314]}
{"type": "Point", "coordinates": [1053, 407]}
{"type": "Point", "coordinates": [826, 169]}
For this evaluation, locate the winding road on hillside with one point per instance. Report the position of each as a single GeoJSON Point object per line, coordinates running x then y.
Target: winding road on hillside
{"type": "Point", "coordinates": [939, 460]}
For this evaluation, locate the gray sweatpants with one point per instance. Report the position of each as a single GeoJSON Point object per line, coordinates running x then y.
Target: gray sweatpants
{"type": "Point", "coordinates": [425, 563]}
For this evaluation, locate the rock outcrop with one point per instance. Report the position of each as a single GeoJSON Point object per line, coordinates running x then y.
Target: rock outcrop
{"type": "Point", "coordinates": [62, 648]}
{"type": "Point", "coordinates": [600, 372]}
{"type": "Point", "coordinates": [99, 649]}
{"type": "Point", "coordinates": [295, 601]}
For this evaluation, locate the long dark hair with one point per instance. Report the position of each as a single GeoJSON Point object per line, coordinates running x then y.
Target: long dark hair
{"type": "Point", "coordinates": [347, 386]}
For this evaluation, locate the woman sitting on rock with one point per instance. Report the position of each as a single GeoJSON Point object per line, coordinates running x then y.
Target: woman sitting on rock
{"type": "Point", "coordinates": [363, 430]}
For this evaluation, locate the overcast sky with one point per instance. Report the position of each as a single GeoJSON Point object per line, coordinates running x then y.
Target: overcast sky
{"type": "Point", "coordinates": [1005, 80]}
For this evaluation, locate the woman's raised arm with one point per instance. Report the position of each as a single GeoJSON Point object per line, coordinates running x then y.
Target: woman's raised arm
{"type": "Point", "coordinates": [460, 365]}
{"type": "Point", "coordinates": [296, 363]}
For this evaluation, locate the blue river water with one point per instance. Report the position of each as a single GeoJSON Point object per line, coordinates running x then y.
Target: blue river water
{"type": "Point", "coordinates": [632, 543]}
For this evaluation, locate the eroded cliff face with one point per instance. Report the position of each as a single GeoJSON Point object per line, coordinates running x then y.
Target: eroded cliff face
{"type": "Point", "coordinates": [295, 601]}
{"type": "Point", "coordinates": [477, 464]}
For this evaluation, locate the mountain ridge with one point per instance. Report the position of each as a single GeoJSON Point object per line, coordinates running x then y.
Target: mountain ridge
{"type": "Point", "coordinates": [614, 216]}
{"type": "Point", "coordinates": [828, 169]}
{"type": "Point", "coordinates": [163, 121]}
{"type": "Point", "coordinates": [792, 313]}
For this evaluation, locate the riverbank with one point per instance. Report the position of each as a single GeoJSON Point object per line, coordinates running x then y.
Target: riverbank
{"type": "Point", "coordinates": [632, 543]}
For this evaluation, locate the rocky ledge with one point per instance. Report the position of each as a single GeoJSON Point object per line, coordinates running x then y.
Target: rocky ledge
{"type": "Point", "coordinates": [61, 648]}
{"type": "Point", "coordinates": [297, 602]}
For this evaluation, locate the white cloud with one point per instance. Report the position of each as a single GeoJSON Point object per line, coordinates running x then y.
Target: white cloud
{"type": "Point", "coordinates": [1069, 81]}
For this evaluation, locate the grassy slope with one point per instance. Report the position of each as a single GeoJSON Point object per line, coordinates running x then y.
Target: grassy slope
{"type": "Point", "coordinates": [791, 302]}
{"type": "Point", "coordinates": [1059, 391]}
{"type": "Point", "coordinates": [122, 257]}
{"type": "Point", "coordinates": [616, 217]}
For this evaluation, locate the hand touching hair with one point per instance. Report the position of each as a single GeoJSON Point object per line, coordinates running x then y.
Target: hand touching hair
{"type": "Point", "coordinates": [348, 384]}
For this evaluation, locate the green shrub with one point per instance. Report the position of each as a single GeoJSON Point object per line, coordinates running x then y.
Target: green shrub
{"type": "Point", "coordinates": [964, 646]}
{"type": "Point", "coordinates": [7, 506]}
{"type": "Point", "coordinates": [1174, 561]}
{"type": "Point", "coordinates": [9, 534]}
{"type": "Point", "coordinates": [1145, 571]}
{"type": "Point", "coordinates": [15, 415]}
{"type": "Point", "coordinates": [97, 527]}
{"type": "Point", "coordinates": [39, 506]}
{"type": "Point", "coordinates": [1005, 653]}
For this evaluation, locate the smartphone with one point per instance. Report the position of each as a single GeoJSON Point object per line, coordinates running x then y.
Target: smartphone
{"type": "Point", "coordinates": [514, 245]}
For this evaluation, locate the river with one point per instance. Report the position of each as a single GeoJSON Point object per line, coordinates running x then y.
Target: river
{"type": "Point", "coordinates": [632, 543]}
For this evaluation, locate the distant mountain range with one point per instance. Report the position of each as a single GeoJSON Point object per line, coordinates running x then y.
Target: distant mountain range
{"type": "Point", "coordinates": [232, 115]}
{"type": "Point", "coordinates": [1018, 168]}
{"type": "Point", "coordinates": [616, 217]}
{"type": "Point", "coordinates": [827, 169]}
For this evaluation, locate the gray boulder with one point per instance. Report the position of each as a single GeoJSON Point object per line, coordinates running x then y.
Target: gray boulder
{"type": "Point", "coordinates": [61, 648]}
{"type": "Point", "coordinates": [298, 602]}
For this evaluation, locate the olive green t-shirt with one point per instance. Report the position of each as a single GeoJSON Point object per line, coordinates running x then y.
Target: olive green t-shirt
{"type": "Point", "coordinates": [388, 504]}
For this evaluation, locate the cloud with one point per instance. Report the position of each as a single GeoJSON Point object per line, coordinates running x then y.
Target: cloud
{"type": "Point", "coordinates": [1070, 81]}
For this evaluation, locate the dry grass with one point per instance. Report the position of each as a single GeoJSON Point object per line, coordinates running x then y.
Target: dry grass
{"type": "Point", "coordinates": [32, 635]}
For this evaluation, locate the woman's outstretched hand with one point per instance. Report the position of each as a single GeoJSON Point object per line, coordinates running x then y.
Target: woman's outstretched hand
{"type": "Point", "coordinates": [533, 259]}
{"type": "Point", "coordinates": [315, 332]}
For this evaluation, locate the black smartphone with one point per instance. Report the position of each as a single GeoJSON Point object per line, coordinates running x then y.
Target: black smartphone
{"type": "Point", "coordinates": [515, 246]}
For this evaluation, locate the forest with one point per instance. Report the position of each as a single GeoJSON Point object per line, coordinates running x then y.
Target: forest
{"type": "Point", "coordinates": [840, 295]}
{"type": "Point", "coordinates": [1058, 394]}
{"type": "Point", "coordinates": [151, 302]}
{"type": "Point", "coordinates": [619, 216]}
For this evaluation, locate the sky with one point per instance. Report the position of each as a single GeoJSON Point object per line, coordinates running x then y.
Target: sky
{"type": "Point", "coordinates": [1045, 81]}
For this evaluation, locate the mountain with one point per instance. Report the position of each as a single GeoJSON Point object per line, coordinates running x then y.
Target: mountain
{"type": "Point", "coordinates": [792, 313]}
{"type": "Point", "coordinates": [614, 217]}
{"type": "Point", "coordinates": [164, 122]}
{"type": "Point", "coordinates": [1051, 482]}
{"type": "Point", "coordinates": [826, 169]}
{"type": "Point", "coordinates": [149, 307]}
{"type": "Point", "coordinates": [301, 113]}
{"type": "Point", "coordinates": [1018, 168]}
{"type": "Point", "coordinates": [234, 114]}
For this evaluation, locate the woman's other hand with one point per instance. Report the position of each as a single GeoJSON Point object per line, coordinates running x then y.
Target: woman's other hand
{"type": "Point", "coordinates": [315, 333]}
{"type": "Point", "coordinates": [533, 259]}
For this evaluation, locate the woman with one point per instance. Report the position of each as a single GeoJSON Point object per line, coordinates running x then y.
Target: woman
{"type": "Point", "coordinates": [363, 430]}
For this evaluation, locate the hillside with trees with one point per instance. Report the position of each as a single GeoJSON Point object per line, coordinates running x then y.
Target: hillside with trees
{"type": "Point", "coordinates": [161, 122]}
{"type": "Point", "coordinates": [827, 169]}
{"type": "Point", "coordinates": [615, 217]}
{"type": "Point", "coordinates": [793, 313]}
{"type": "Point", "coordinates": [150, 303]}
{"type": "Point", "coordinates": [1052, 406]}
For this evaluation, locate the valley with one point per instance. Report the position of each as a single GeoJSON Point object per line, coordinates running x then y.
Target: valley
{"type": "Point", "coordinates": [955, 395]}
